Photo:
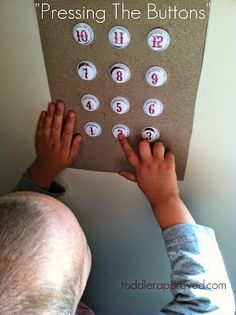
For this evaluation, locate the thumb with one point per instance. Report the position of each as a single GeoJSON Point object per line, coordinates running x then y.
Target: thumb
{"type": "Point", "coordinates": [128, 175]}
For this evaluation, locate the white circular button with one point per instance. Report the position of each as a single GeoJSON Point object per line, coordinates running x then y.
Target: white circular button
{"type": "Point", "coordinates": [93, 129]}
{"type": "Point", "coordinates": [87, 70]}
{"type": "Point", "coordinates": [90, 102]}
{"type": "Point", "coordinates": [120, 105]}
{"type": "Point", "coordinates": [83, 33]}
{"type": "Point", "coordinates": [151, 134]}
{"type": "Point", "coordinates": [117, 130]}
{"type": "Point", "coordinates": [120, 73]}
{"type": "Point", "coordinates": [153, 107]}
{"type": "Point", "coordinates": [158, 39]}
{"type": "Point", "coordinates": [156, 76]}
{"type": "Point", "coordinates": [119, 37]}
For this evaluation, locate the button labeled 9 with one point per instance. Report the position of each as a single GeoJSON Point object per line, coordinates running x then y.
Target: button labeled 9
{"type": "Point", "coordinates": [156, 76]}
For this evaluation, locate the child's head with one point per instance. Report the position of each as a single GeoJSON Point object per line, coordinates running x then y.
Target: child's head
{"type": "Point", "coordinates": [43, 254]}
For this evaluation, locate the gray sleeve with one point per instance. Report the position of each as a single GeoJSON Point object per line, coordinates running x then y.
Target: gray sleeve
{"type": "Point", "coordinates": [199, 281]}
{"type": "Point", "coordinates": [27, 184]}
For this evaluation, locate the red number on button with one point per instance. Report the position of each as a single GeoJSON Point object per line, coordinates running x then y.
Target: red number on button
{"type": "Point", "coordinates": [154, 78]}
{"type": "Point", "coordinates": [119, 38]}
{"type": "Point", "coordinates": [157, 41]}
{"type": "Point", "coordinates": [82, 36]}
{"type": "Point", "coordinates": [152, 109]}
{"type": "Point", "coordinates": [119, 76]}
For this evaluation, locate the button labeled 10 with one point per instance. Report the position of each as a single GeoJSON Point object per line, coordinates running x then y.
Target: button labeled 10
{"type": "Point", "coordinates": [83, 33]}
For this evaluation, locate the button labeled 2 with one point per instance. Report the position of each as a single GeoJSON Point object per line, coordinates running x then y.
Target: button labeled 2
{"type": "Point", "coordinates": [120, 105]}
{"type": "Point", "coordinates": [119, 37]}
{"type": "Point", "coordinates": [93, 129]}
{"type": "Point", "coordinates": [87, 70]}
{"type": "Point", "coordinates": [151, 134]}
{"type": "Point", "coordinates": [156, 76]}
{"type": "Point", "coordinates": [158, 39]}
{"type": "Point", "coordinates": [83, 33]}
{"type": "Point", "coordinates": [120, 73]}
{"type": "Point", "coordinates": [153, 107]}
{"type": "Point", "coordinates": [90, 102]}
{"type": "Point", "coordinates": [120, 129]}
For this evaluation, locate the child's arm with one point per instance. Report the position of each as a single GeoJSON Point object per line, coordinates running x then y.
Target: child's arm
{"type": "Point", "coordinates": [56, 149]}
{"type": "Point", "coordinates": [193, 251]}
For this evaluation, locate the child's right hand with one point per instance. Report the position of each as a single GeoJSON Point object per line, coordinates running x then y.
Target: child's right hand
{"type": "Point", "coordinates": [154, 172]}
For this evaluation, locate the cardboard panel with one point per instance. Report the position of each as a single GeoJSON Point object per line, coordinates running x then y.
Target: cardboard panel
{"type": "Point", "coordinates": [182, 61]}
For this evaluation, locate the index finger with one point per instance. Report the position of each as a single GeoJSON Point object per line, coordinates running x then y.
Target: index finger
{"type": "Point", "coordinates": [129, 152]}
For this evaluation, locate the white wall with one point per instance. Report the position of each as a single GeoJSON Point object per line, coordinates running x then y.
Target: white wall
{"type": "Point", "coordinates": [123, 235]}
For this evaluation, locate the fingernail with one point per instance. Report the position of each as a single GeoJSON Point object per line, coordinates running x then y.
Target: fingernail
{"type": "Point", "coordinates": [71, 114]}
{"type": "Point", "coordinates": [80, 138]}
{"type": "Point", "coordinates": [51, 107]}
{"type": "Point", "coordinates": [121, 136]}
{"type": "Point", "coordinates": [60, 105]}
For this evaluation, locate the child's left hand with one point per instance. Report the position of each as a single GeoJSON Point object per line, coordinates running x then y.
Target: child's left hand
{"type": "Point", "coordinates": [56, 145]}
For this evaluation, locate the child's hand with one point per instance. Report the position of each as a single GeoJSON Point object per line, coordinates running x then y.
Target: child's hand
{"type": "Point", "coordinates": [56, 146]}
{"type": "Point", "coordinates": [154, 172]}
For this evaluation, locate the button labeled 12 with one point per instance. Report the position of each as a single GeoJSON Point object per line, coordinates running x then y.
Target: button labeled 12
{"type": "Point", "coordinates": [151, 134]}
{"type": "Point", "coordinates": [120, 105]}
{"type": "Point", "coordinates": [87, 70]}
{"type": "Point", "coordinates": [158, 39]}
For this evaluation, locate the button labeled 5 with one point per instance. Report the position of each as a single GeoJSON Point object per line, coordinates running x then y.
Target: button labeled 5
{"type": "Point", "coordinates": [120, 105]}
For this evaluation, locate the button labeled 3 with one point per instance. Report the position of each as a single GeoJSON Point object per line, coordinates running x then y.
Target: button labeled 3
{"type": "Point", "coordinates": [90, 102]}
{"type": "Point", "coordinates": [120, 129]}
{"type": "Point", "coordinates": [151, 134]}
{"type": "Point", "coordinates": [153, 107]}
{"type": "Point", "coordinates": [120, 105]}
{"type": "Point", "coordinates": [158, 39]}
{"type": "Point", "coordinates": [120, 73]}
{"type": "Point", "coordinates": [93, 129]}
{"type": "Point", "coordinates": [87, 70]}
{"type": "Point", "coordinates": [119, 37]}
{"type": "Point", "coordinates": [83, 33]}
{"type": "Point", "coordinates": [156, 76]}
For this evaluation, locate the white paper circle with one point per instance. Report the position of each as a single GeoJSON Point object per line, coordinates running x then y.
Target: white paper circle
{"type": "Point", "coordinates": [93, 129]}
{"type": "Point", "coordinates": [120, 129]}
{"type": "Point", "coordinates": [83, 33]}
{"type": "Point", "coordinates": [119, 37]}
{"type": "Point", "coordinates": [87, 70]}
{"type": "Point", "coordinates": [151, 134]}
{"type": "Point", "coordinates": [158, 39]}
{"type": "Point", "coordinates": [120, 73]}
{"type": "Point", "coordinates": [120, 105]}
{"type": "Point", "coordinates": [90, 102]}
{"type": "Point", "coordinates": [153, 107]}
{"type": "Point", "coordinates": [156, 76]}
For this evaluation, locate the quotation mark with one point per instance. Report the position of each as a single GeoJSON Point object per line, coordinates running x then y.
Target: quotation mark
{"type": "Point", "coordinates": [208, 4]}
{"type": "Point", "coordinates": [37, 4]}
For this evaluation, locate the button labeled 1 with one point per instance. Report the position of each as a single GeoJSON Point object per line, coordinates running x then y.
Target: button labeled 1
{"type": "Point", "coordinates": [93, 129]}
{"type": "Point", "coordinates": [156, 76]}
{"type": "Point", "coordinates": [90, 102]}
{"type": "Point", "coordinates": [83, 34]}
{"type": "Point", "coordinates": [120, 73]}
{"type": "Point", "coordinates": [158, 39]}
{"type": "Point", "coordinates": [120, 105]}
{"type": "Point", "coordinates": [153, 107]}
{"type": "Point", "coordinates": [151, 134]}
{"type": "Point", "coordinates": [119, 37]}
{"type": "Point", "coordinates": [87, 70]}
{"type": "Point", "coordinates": [118, 130]}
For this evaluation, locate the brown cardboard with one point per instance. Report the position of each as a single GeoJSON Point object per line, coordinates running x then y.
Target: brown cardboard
{"type": "Point", "coordinates": [182, 61]}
